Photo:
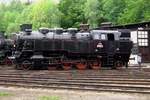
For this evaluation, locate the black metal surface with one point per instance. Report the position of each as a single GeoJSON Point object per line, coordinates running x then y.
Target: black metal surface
{"type": "Point", "coordinates": [74, 49]}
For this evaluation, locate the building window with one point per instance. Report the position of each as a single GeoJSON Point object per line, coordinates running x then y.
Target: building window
{"type": "Point", "coordinates": [142, 38]}
{"type": "Point", "coordinates": [143, 42]}
{"type": "Point", "coordinates": [142, 34]}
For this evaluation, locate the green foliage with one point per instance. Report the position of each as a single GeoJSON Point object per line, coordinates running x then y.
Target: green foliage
{"type": "Point", "coordinates": [93, 12]}
{"type": "Point", "coordinates": [48, 98]}
{"type": "Point", "coordinates": [9, 14]}
{"type": "Point", "coordinates": [71, 13]}
{"type": "Point", "coordinates": [135, 11]}
{"type": "Point", "coordinates": [44, 14]}
{"type": "Point", "coordinates": [2, 12]}
{"type": "Point", "coordinates": [112, 9]}
{"type": "Point", "coordinates": [2, 94]}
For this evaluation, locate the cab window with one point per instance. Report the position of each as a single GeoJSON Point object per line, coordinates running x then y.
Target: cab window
{"type": "Point", "coordinates": [103, 36]}
{"type": "Point", "coordinates": [110, 37]}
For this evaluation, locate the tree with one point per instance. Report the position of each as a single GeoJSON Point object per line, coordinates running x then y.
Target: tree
{"type": "Point", "coordinates": [9, 14]}
{"type": "Point", "coordinates": [24, 16]}
{"type": "Point", "coordinates": [40, 14]}
{"type": "Point", "coordinates": [72, 13]}
{"type": "Point", "coordinates": [93, 12]}
{"type": "Point", "coordinates": [2, 12]}
{"type": "Point", "coordinates": [113, 9]}
{"type": "Point", "coordinates": [44, 13]}
{"type": "Point", "coordinates": [135, 11]}
{"type": "Point", "coordinates": [13, 27]}
{"type": "Point", "coordinates": [146, 10]}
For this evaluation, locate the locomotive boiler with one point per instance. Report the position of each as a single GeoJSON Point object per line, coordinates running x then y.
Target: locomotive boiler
{"type": "Point", "coordinates": [71, 48]}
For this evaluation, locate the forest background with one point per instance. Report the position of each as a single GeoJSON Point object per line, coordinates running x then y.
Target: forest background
{"type": "Point", "coordinates": [70, 13]}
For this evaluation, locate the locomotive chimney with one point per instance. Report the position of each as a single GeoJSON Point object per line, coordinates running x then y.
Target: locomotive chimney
{"type": "Point", "coordinates": [26, 27]}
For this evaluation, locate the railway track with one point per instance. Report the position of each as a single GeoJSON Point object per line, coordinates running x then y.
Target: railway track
{"type": "Point", "coordinates": [129, 81]}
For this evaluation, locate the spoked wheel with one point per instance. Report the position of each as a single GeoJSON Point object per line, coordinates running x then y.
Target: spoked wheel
{"type": "Point", "coordinates": [67, 66]}
{"type": "Point", "coordinates": [26, 65]}
{"type": "Point", "coordinates": [96, 65]}
{"type": "Point", "coordinates": [118, 64]}
{"type": "Point", "coordinates": [81, 66]}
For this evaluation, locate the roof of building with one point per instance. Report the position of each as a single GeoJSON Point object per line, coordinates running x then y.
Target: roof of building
{"type": "Point", "coordinates": [132, 26]}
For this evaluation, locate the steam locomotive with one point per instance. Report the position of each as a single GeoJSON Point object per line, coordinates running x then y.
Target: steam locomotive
{"type": "Point", "coordinates": [71, 48]}
{"type": "Point", "coordinates": [6, 46]}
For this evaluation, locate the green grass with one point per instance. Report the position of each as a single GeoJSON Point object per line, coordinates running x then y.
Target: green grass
{"type": "Point", "coordinates": [48, 98]}
{"type": "Point", "coordinates": [5, 94]}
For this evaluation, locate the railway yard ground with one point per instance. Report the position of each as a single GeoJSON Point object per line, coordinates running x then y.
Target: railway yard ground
{"type": "Point", "coordinates": [122, 84]}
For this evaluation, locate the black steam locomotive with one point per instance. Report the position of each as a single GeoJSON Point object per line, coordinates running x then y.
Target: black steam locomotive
{"type": "Point", "coordinates": [6, 46]}
{"type": "Point", "coordinates": [71, 48]}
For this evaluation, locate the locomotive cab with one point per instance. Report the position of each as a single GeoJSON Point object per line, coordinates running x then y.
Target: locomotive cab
{"type": "Point", "coordinates": [111, 45]}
